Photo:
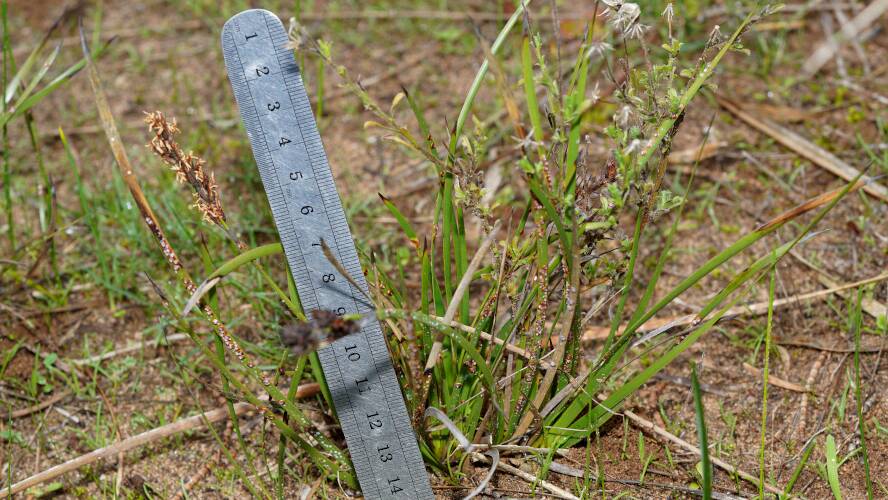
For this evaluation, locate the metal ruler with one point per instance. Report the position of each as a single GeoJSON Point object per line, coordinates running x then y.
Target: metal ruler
{"type": "Point", "coordinates": [306, 207]}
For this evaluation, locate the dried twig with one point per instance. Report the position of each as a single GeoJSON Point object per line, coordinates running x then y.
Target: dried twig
{"type": "Point", "coordinates": [649, 426]}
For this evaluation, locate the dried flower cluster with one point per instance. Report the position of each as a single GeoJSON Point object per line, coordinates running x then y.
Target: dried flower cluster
{"type": "Point", "coordinates": [323, 327]}
{"type": "Point", "coordinates": [625, 15]}
{"type": "Point", "coordinates": [189, 168]}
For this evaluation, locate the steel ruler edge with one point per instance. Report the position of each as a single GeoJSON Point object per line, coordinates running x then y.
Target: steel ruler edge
{"type": "Point", "coordinates": [306, 207]}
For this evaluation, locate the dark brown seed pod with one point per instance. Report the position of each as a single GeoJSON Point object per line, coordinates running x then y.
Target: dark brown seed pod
{"type": "Point", "coordinates": [322, 328]}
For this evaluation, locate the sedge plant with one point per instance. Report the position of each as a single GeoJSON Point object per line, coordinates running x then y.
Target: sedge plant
{"type": "Point", "coordinates": [512, 367]}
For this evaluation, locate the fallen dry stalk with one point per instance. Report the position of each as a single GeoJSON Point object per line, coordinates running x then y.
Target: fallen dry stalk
{"type": "Point", "coordinates": [128, 349]}
{"type": "Point", "coordinates": [805, 149]}
{"type": "Point", "coordinates": [126, 445]}
{"type": "Point", "coordinates": [462, 287]}
{"type": "Point", "coordinates": [524, 353]}
{"type": "Point", "coordinates": [600, 332]}
{"type": "Point", "coordinates": [774, 380]}
{"type": "Point", "coordinates": [849, 31]}
{"type": "Point", "coordinates": [186, 424]}
{"type": "Point", "coordinates": [551, 488]}
{"type": "Point", "coordinates": [24, 412]}
{"type": "Point", "coordinates": [649, 426]}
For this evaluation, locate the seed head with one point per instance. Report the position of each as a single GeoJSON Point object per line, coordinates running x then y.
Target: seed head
{"type": "Point", "coordinates": [623, 115]}
{"type": "Point", "coordinates": [190, 169]}
{"type": "Point", "coordinates": [624, 15]}
{"type": "Point", "coordinates": [715, 37]}
{"type": "Point", "coordinates": [599, 48]}
{"type": "Point", "coordinates": [668, 12]}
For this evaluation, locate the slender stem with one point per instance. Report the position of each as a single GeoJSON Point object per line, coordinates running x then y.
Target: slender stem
{"type": "Point", "coordinates": [765, 373]}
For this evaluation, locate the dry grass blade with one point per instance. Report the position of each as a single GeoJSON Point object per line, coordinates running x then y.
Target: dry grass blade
{"type": "Point", "coordinates": [647, 425]}
{"type": "Point", "coordinates": [872, 307]}
{"type": "Point", "coordinates": [435, 351]}
{"type": "Point", "coordinates": [696, 153]}
{"type": "Point", "coordinates": [125, 167]}
{"type": "Point", "coordinates": [24, 412]}
{"type": "Point", "coordinates": [660, 325]}
{"type": "Point", "coordinates": [774, 380]}
{"type": "Point", "coordinates": [560, 349]}
{"type": "Point", "coordinates": [438, 344]}
{"type": "Point", "coordinates": [328, 254]}
{"type": "Point", "coordinates": [530, 478]}
{"type": "Point", "coordinates": [806, 149]}
{"type": "Point", "coordinates": [524, 353]}
{"type": "Point", "coordinates": [125, 350]}
{"type": "Point", "coordinates": [198, 294]}
{"type": "Point", "coordinates": [467, 447]}
{"type": "Point", "coordinates": [827, 49]}
{"type": "Point", "coordinates": [186, 424]}
{"type": "Point", "coordinates": [410, 60]}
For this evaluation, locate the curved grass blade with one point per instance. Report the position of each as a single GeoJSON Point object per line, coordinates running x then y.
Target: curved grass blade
{"type": "Point", "coordinates": [250, 255]}
{"type": "Point", "coordinates": [479, 77]}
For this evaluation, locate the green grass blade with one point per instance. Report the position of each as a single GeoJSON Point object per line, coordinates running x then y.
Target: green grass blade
{"type": "Point", "coordinates": [533, 106]}
{"type": "Point", "coordinates": [420, 118]}
{"type": "Point", "coordinates": [829, 199]}
{"type": "Point", "coordinates": [479, 77]}
{"type": "Point", "coordinates": [627, 281]}
{"type": "Point", "coordinates": [702, 436]}
{"type": "Point", "coordinates": [574, 109]}
{"type": "Point", "coordinates": [32, 100]}
{"type": "Point", "coordinates": [8, 66]}
{"type": "Point", "coordinates": [250, 255]}
{"type": "Point", "coordinates": [402, 220]}
{"type": "Point", "coordinates": [857, 324]}
{"type": "Point", "coordinates": [797, 473]}
{"type": "Point", "coordinates": [542, 196]}
{"type": "Point", "coordinates": [832, 467]}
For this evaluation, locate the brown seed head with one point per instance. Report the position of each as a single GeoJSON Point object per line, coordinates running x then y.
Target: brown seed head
{"type": "Point", "coordinates": [323, 327]}
{"type": "Point", "coordinates": [190, 169]}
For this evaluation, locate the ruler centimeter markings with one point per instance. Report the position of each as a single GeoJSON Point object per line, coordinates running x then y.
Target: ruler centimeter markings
{"type": "Point", "coordinates": [306, 208]}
